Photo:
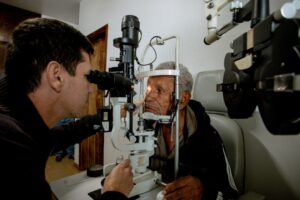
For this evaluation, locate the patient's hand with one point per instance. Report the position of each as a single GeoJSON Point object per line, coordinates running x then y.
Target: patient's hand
{"type": "Point", "coordinates": [120, 179]}
{"type": "Point", "coordinates": [187, 187]}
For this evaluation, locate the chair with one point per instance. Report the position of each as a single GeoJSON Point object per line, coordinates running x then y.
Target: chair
{"type": "Point", "coordinates": [230, 132]}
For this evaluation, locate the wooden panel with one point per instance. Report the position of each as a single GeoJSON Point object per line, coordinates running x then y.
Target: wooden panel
{"type": "Point", "coordinates": [10, 17]}
{"type": "Point", "coordinates": [3, 46]}
{"type": "Point", "coordinates": [91, 149]}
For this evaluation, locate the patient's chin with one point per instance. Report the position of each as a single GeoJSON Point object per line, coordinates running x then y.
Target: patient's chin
{"type": "Point", "coordinates": [154, 111]}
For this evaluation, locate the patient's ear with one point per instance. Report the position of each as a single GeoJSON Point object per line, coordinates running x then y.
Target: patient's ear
{"type": "Point", "coordinates": [184, 99]}
{"type": "Point", "coordinates": [54, 74]}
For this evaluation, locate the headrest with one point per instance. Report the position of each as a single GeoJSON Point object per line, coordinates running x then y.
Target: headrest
{"type": "Point", "coordinates": [205, 91]}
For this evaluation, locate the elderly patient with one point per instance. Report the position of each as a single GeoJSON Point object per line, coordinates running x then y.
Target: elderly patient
{"type": "Point", "coordinates": [203, 168]}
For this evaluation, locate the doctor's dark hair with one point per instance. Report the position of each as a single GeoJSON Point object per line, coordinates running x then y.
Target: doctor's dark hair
{"type": "Point", "coordinates": [185, 78]}
{"type": "Point", "coordinates": [36, 42]}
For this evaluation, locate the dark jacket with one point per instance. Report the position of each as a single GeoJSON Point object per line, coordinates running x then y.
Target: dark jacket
{"type": "Point", "coordinates": [26, 143]}
{"type": "Point", "coordinates": [201, 154]}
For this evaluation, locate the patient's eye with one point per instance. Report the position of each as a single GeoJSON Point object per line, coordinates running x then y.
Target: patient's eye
{"type": "Point", "coordinates": [159, 90]}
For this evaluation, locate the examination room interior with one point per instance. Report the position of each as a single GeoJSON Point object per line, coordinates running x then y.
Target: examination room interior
{"type": "Point", "coordinates": [101, 20]}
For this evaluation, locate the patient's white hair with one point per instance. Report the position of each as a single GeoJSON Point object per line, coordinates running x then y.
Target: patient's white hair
{"type": "Point", "coordinates": [185, 78]}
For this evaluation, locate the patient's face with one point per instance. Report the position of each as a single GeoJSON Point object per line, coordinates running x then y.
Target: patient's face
{"type": "Point", "coordinates": [158, 98]}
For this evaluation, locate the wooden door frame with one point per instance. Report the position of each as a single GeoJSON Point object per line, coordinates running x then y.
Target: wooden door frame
{"type": "Point", "coordinates": [96, 141]}
{"type": "Point", "coordinates": [101, 32]}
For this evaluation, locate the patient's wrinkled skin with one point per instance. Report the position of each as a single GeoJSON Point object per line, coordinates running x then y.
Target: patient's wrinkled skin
{"type": "Point", "coordinates": [159, 95]}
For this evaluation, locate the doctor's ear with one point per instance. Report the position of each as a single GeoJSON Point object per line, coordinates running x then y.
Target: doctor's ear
{"type": "Point", "coordinates": [54, 74]}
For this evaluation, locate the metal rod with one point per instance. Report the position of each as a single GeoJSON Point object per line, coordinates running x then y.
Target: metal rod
{"type": "Point", "coordinates": [176, 162]}
{"type": "Point", "coordinates": [161, 42]}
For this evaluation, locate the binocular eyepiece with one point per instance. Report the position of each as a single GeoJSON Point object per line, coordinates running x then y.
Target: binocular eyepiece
{"type": "Point", "coordinates": [109, 81]}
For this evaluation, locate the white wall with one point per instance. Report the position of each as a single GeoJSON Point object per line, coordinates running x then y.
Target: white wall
{"type": "Point", "coordinates": [184, 18]}
{"type": "Point", "coordinates": [68, 22]}
{"type": "Point", "coordinates": [65, 10]}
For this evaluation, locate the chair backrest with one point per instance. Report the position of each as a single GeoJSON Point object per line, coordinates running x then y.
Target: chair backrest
{"type": "Point", "coordinates": [229, 130]}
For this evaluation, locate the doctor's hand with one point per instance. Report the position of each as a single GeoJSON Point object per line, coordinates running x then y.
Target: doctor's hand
{"type": "Point", "coordinates": [187, 187]}
{"type": "Point", "coordinates": [120, 179]}
{"type": "Point", "coordinates": [136, 105]}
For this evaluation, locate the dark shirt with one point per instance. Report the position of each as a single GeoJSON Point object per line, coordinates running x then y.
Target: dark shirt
{"type": "Point", "coordinates": [201, 154]}
{"type": "Point", "coordinates": [26, 143]}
